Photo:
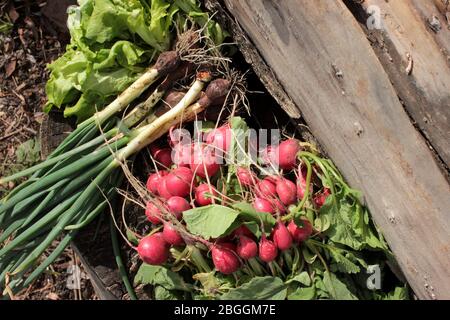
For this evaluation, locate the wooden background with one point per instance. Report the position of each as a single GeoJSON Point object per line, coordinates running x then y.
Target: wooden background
{"type": "Point", "coordinates": [378, 102]}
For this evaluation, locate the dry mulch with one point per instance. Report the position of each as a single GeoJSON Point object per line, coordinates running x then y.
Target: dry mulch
{"type": "Point", "coordinates": [24, 52]}
{"type": "Point", "coordinates": [29, 41]}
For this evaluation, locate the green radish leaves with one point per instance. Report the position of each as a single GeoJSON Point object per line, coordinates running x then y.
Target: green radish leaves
{"type": "Point", "coordinates": [302, 278]}
{"type": "Point", "coordinates": [307, 293]}
{"type": "Point", "coordinates": [211, 221]}
{"type": "Point", "coordinates": [158, 275]}
{"type": "Point", "coordinates": [336, 288]}
{"type": "Point", "coordinates": [238, 151]}
{"type": "Point", "coordinates": [259, 288]}
{"type": "Point", "coordinates": [349, 222]}
{"type": "Point", "coordinates": [248, 213]}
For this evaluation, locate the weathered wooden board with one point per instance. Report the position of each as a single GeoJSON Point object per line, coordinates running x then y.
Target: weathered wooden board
{"type": "Point", "coordinates": [415, 33]}
{"type": "Point", "coordinates": [324, 62]}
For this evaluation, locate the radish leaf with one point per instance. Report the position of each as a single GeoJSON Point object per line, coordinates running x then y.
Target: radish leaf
{"type": "Point", "coordinates": [211, 221]}
{"type": "Point", "coordinates": [336, 288]}
{"type": "Point", "coordinates": [158, 275]}
{"type": "Point", "coordinates": [259, 288]}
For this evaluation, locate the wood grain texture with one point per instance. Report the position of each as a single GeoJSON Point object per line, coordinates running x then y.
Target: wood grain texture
{"type": "Point", "coordinates": [324, 62]}
{"type": "Point", "coordinates": [426, 90]}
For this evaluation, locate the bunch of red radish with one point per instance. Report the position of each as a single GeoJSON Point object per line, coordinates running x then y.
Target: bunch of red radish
{"type": "Point", "coordinates": [181, 186]}
{"type": "Point", "coordinates": [172, 188]}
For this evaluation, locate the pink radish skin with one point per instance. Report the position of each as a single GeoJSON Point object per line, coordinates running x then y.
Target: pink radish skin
{"type": "Point", "coordinates": [267, 250]}
{"type": "Point", "coordinates": [320, 199]}
{"type": "Point", "coordinates": [162, 188]}
{"type": "Point", "coordinates": [279, 206]}
{"type": "Point", "coordinates": [287, 151]}
{"type": "Point", "coordinates": [153, 249]}
{"type": "Point", "coordinates": [281, 236]}
{"type": "Point", "coordinates": [246, 177]}
{"type": "Point", "coordinates": [153, 213]}
{"type": "Point", "coordinates": [263, 205]}
{"type": "Point", "coordinates": [203, 194]}
{"type": "Point", "coordinates": [154, 180]}
{"type": "Point", "coordinates": [286, 191]}
{"type": "Point", "coordinates": [266, 189]}
{"type": "Point", "coordinates": [204, 161]}
{"type": "Point", "coordinates": [178, 182]}
{"type": "Point", "coordinates": [225, 260]}
{"type": "Point", "coordinates": [300, 234]}
{"type": "Point", "coordinates": [163, 158]}
{"type": "Point", "coordinates": [177, 205]}
{"type": "Point", "coordinates": [246, 248]}
{"type": "Point", "coordinates": [171, 235]}
{"type": "Point", "coordinates": [220, 138]}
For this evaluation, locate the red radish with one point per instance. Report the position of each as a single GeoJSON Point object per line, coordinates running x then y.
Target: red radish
{"type": "Point", "coordinates": [267, 250]}
{"type": "Point", "coordinates": [162, 188]}
{"type": "Point", "coordinates": [204, 161]}
{"type": "Point", "coordinates": [300, 234]}
{"type": "Point", "coordinates": [320, 199]}
{"type": "Point", "coordinates": [273, 179]}
{"type": "Point", "coordinates": [203, 194]}
{"type": "Point", "coordinates": [286, 191]}
{"type": "Point", "coordinates": [279, 206]}
{"type": "Point", "coordinates": [243, 231]}
{"type": "Point", "coordinates": [163, 157]}
{"type": "Point", "coordinates": [225, 260]}
{"type": "Point", "coordinates": [246, 248]}
{"type": "Point", "coordinates": [153, 249]}
{"type": "Point", "coordinates": [263, 205]}
{"type": "Point", "coordinates": [154, 180]}
{"type": "Point", "coordinates": [171, 235]}
{"type": "Point", "coordinates": [266, 189]}
{"type": "Point", "coordinates": [288, 150]}
{"type": "Point", "coordinates": [246, 177]}
{"type": "Point", "coordinates": [220, 138]}
{"type": "Point", "coordinates": [153, 213]}
{"type": "Point", "coordinates": [178, 181]}
{"type": "Point", "coordinates": [301, 185]}
{"type": "Point", "coordinates": [177, 205]}
{"type": "Point", "coordinates": [182, 154]}
{"type": "Point", "coordinates": [281, 236]}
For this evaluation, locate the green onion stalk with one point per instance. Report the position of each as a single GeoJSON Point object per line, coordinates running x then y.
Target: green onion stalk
{"type": "Point", "coordinates": [91, 133]}
{"type": "Point", "coordinates": [72, 194]}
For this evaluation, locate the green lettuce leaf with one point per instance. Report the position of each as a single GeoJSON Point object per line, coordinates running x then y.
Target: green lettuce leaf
{"type": "Point", "coordinates": [112, 42]}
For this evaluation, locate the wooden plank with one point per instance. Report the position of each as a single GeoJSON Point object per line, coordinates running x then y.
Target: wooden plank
{"type": "Point", "coordinates": [324, 62]}
{"type": "Point", "coordinates": [407, 36]}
